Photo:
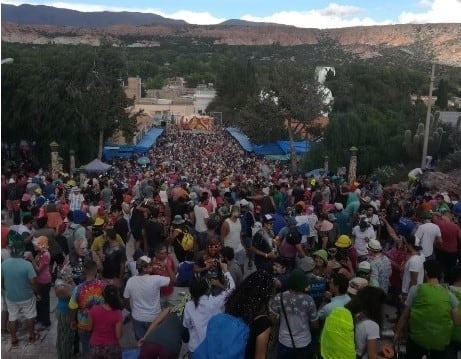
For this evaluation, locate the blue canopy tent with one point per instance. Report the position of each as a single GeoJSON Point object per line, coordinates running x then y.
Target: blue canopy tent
{"type": "Point", "coordinates": [269, 149]}
{"type": "Point", "coordinates": [126, 151]}
{"type": "Point", "coordinates": [241, 138]}
{"type": "Point", "coordinates": [148, 140]}
{"type": "Point", "coordinates": [281, 148]}
{"type": "Point", "coordinates": [301, 147]}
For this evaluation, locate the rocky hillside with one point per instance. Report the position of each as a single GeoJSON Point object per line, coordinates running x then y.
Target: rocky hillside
{"type": "Point", "coordinates": [441, 42]}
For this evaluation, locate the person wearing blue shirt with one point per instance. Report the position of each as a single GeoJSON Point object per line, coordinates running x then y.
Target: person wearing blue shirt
{"type": "Point", "coordinates": [338, 289]}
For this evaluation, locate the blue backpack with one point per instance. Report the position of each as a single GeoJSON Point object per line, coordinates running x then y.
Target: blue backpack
{"type": "Point", "coordinates": [226, 338]}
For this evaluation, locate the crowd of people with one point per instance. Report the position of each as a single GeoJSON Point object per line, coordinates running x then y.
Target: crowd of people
{"type": "Point", "coordinates": [269, 264]}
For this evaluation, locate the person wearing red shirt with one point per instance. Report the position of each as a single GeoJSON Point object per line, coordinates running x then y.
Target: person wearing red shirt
{"type": "Point", "coordinates": [446, 252]}
{"type": "Point", "coordinates": [106, 322]}
{"type": "Point", "coordinates": [163, 265]}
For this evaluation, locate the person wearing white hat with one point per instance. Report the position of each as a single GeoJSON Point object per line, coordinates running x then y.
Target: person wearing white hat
{"type": "Point", "coordinates": [381, 266]}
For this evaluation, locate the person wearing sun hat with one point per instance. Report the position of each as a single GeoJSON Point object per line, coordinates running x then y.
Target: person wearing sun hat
{"type": "Point", "coordinates": [345, 250]}
{"type": "Point", "coordinates": [355, 285]}
{"type": "Point", "coordinates": [381, 266]}
{"type": "Point", "coordinates": [322, 255]}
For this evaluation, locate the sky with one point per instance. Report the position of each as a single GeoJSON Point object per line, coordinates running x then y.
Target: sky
{"type": "Point", "coordinates": [301, 13]}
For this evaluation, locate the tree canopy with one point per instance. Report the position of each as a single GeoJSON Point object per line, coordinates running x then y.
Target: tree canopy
{"type": "Point", "coordinates": [66, 96]}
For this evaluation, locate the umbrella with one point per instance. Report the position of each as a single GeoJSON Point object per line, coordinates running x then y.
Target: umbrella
{"type": "Point", "coordinates": [143, 160]}
{"type": "Point", "coordinates": [97, 166]}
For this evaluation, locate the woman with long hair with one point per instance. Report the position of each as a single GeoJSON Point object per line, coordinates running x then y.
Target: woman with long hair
{"type": "Point", "coordinates": [203, 305]}
{"type": "Point", "coordinates": [114, 258]}
{"type": "Point", "coordinates": [41, 264]}
{"type": "Point", "coordinates": [249, 301]}
{"type": "Point", "coordinates": [366, 308]}
{"type": "Point", "coordinates": [106, 325]}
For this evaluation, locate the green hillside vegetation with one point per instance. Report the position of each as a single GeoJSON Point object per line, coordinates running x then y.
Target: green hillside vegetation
{"type": "Point", "coordinates": [71, 93]}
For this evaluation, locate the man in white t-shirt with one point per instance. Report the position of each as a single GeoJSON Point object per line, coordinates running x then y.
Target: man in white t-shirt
{"type": "Point", "coordinates": [201, 216]}
{"type": "Point", "coordinates": [413, 272]}
{"type": "Point", "coordinates": [428, 234]}
{"type": "Point", "coordinates": [142, 295]}
{"type": "Point", "coordinates": [363, 233]}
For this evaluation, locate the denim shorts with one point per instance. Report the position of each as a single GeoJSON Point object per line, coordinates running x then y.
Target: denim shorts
{"type": "Point", "coordinates": [139, 328]}
{"type": "Point", "coordinates": [240, 257]}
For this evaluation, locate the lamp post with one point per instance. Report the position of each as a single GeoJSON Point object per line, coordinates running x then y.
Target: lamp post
{"type": "Point", "coordinates": [54, 146]}
{"type": "Point", "coordinates": [60, 166]}
{"type": "Point", "coordinates": [428, 120]}
{"type": "Point", "coordinates": [353, 165]}
{"type": "Point", "coordinates": [71, 162]}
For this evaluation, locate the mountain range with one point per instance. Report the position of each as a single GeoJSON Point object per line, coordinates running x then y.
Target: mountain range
{"type": "Point", "coordinates": [37, 24]}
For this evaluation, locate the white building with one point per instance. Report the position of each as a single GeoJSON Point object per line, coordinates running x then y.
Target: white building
{"type": "Point", "coordinates": [203, 95]}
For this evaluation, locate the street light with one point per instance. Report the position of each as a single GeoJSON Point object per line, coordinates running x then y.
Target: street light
{"type": "Point", "coordinates": [428, 114]}
{"type": "Point", "coordinates": [428, 119]}
{"type": "Point", "coordinates": [54, 146]}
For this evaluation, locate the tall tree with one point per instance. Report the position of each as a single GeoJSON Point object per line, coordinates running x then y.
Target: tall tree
{"type": "Point", "coordinates": [442, 95]}
{"type": "Point", "coordinates": [297, 96]}
{"type": "Point", "coordinates": [69, 94]}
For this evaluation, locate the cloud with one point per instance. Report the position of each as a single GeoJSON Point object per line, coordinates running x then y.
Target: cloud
{"type": "Point", "coordinates": [198, 18]}
{"type": "Point", "coordinates": [332, 16]}
{"type": "Point", "coordinates": [425, 3]}
{"type": "Point", "coordinates": [436, 11]}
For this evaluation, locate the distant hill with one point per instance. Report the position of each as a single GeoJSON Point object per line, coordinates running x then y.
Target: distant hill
{"type": "Point", "coordinates": [30, 24]}
{"type": "Point", "coordinates": [47, 15]}
{"type": "Point", "coordinates": [238, 22]}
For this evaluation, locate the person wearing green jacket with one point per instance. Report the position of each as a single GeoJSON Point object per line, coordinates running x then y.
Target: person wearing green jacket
{"type": "Point", "coordinates": [431, 311]}
{"type": "Point", "coordinates": [455, 288]}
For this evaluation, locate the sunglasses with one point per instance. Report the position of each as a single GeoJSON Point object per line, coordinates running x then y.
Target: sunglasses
{"type": "Point", "coordinates": [213, 246]}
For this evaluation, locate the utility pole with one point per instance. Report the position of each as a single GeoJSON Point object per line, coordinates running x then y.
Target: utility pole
{"type": "Point", "coordinates": [428, 120]}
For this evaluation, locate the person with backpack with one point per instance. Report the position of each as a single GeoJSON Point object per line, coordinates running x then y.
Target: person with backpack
{"type": "Point", "coordinates": [337, 338]}
{"type": "Point", "coordinates": [298, 318]}
{"type": "Point", "coordinates": [243, 330]}
{"type": "Point", "coordinates": [203, 305]}
{"type": "Point", "coordinates": [455, 288]}
{"type": "Point", "coordinates": [290, 245]}
{"type": "Point", "coordinates": [431, 310]}
{"type": "Point", "coordinates": [181, 238]}
{"type": "Point", "coordinates": [76, 229]}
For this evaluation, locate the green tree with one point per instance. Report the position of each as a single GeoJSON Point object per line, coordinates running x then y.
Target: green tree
{"type": "Point", "coordinates": [297, 96]}
{"type": "Point", "coordinates": [442, 95]}
{"type": "Point", "coordinates": [68, 94]}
